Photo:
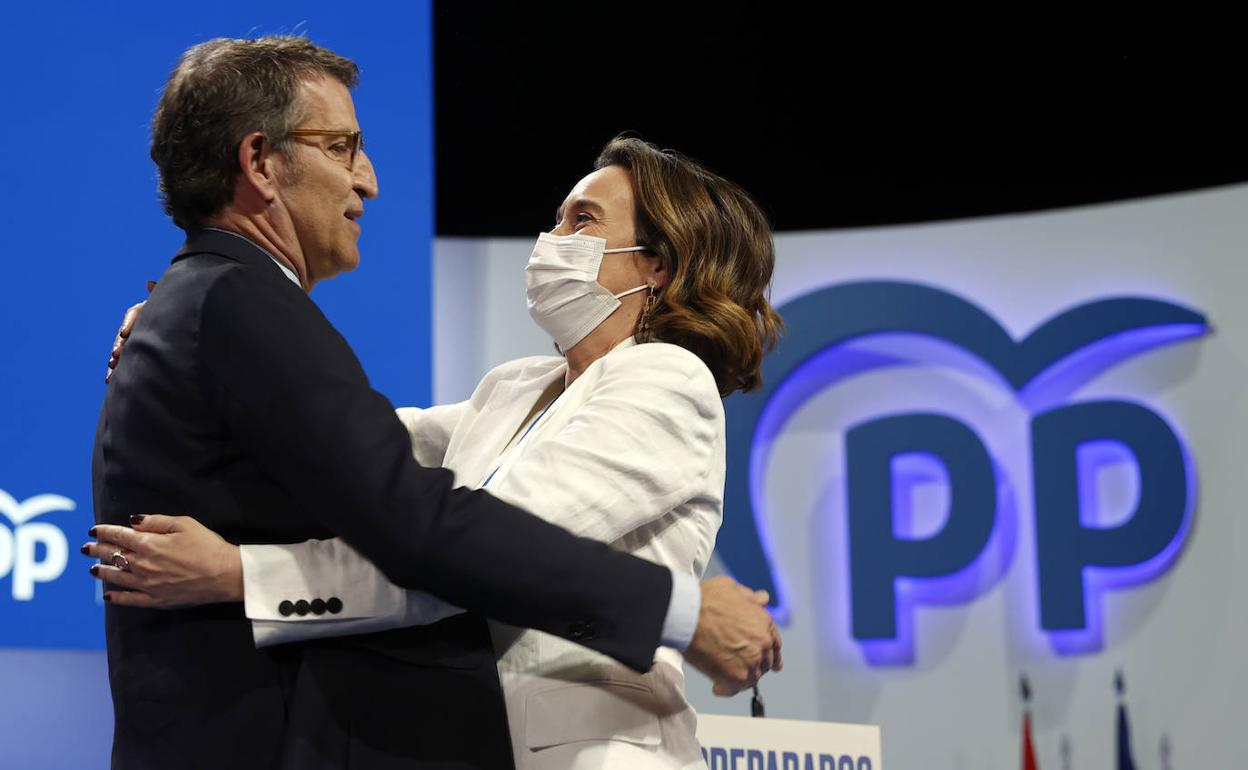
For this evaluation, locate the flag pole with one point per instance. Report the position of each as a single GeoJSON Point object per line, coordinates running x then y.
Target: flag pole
{"type": "Point", "coordinates": [1125, 760]}
{"type": "Point", "coordinates": [1029, 750]}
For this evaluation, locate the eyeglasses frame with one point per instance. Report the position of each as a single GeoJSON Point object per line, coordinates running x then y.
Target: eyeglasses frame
{"type": "Point", "coordinates": [356, 148]}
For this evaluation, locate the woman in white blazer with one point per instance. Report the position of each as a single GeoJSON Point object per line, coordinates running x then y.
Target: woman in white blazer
{"type": "Point", "coordinates": [654, 286]}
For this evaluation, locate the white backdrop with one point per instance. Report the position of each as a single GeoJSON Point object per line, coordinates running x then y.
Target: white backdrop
{"type": "Point", "coordinates": [1178, 639]}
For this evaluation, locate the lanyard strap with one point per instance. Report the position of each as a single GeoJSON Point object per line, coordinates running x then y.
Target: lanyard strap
{"type": "Point", "coordinates": [515, 446]}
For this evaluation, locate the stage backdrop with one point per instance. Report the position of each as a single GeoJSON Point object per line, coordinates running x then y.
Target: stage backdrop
{"type": "Point", "coordinates": [83, 229]}
{"type": "Point", "coordinates": [988, 450]}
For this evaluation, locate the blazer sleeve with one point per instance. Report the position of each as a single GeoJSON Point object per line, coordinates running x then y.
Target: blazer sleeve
{"type": "Point", "coordinates": [359, 598]}
{"type": "Point", "coordinates": [641, 444]}
{"type": "Point", "coordinates": [430, 430]}
{"type": "Point", "coordinates": [295, 398]}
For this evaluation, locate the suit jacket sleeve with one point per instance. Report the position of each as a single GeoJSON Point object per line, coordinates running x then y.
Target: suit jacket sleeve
{"type": "Point", "coordinates": [283, 573]}
{"type": "Point", "coordinates": [294, 395]}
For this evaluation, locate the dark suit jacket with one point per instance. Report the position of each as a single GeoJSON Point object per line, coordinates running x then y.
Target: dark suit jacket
{"type": "Point", "coordinates": [238, 403]}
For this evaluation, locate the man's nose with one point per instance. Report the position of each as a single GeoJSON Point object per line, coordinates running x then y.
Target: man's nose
{"type": "Point", "coordinates": [365, 176]}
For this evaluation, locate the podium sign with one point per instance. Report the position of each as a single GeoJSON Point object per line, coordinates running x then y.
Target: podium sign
{"type": "Point", "coordinates": [744, 743]}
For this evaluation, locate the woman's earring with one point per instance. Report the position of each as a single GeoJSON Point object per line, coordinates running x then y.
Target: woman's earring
{"type": "Point", "coordinates": [643, 322]}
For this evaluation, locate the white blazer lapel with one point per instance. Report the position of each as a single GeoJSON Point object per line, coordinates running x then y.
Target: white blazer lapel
{"type": "Point", "coordinates": [477, 450]}
{"type": "Point", "coordinates": [553, 420]}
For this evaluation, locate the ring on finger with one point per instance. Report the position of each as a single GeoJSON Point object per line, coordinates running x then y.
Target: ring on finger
{"type": "Point", "coordinates": [120, 561]}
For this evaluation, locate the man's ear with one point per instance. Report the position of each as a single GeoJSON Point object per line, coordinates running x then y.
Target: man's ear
{"type": "Point", "coordinates": [258, 165]}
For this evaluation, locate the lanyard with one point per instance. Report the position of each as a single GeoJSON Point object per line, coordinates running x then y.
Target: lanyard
{"type": "Point", "coordinates": [519, 441]}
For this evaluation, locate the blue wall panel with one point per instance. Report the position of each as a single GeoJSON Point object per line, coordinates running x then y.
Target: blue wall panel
{"type": "Point", "coordinates": [82, 229]}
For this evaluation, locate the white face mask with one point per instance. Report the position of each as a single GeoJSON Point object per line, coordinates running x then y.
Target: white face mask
{"type": "Point", "coordinates": [562, 286]}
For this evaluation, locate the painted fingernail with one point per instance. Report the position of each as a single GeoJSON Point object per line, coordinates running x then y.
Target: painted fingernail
{"type": "Point", "coordinates": [95, 569]}
{"type": "Point", "coordinates": [136, 519]}
{"type": "Point", "coordinates": [85, 548]}
{"type": "Point", "coordinates": [91, 532]}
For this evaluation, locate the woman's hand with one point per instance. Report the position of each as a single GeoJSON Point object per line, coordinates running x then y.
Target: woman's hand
{"type": "Point", "coordinates": [165, 562]}
{"type": "Point", "coordinates": [123, 333]}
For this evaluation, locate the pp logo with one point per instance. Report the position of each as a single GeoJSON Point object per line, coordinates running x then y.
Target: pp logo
{"type": "Point", "coordinates": [1078, 551]}
{"type": "Point", "coordinates": [20, 546]}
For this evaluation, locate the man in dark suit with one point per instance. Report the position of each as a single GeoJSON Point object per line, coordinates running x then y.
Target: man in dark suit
{"type": "Point", "coordinates": [240, 404]}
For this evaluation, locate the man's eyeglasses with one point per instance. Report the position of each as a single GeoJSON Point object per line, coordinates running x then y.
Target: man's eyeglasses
{"type": "Point", "coordinates": [344, 151]}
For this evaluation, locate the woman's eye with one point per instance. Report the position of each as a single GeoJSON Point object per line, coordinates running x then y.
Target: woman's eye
{"type": "Point", "coordinates": [339, 148]}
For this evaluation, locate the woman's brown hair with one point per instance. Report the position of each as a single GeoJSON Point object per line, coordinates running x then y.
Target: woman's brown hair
{"type": "Point", "coordinates": [716, 244]}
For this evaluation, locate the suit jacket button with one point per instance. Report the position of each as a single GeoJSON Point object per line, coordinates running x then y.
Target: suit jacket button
{"type": "Point", "coordinates": [286, 608]}
{"type": "Point", "coordinates": [334, 605]}
{"type": "Point", "coordinates": [317, 606]}
{"type": "Point", "coordinates": [301, 607]}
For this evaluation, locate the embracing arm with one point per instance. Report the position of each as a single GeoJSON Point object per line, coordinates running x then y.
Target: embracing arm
{"type": "Point", "coordinates": [315, 426]}
{"type": "Point", "coordinates": [294, 395]}
{"type": "Point", "coordinates": [330, 586]}
{"type": "Point", "coordinates": [640, 445]}
{"type": "Point", "coordinates": [327, 583]}
{"type": "Point", "coordinates": [342, 592]}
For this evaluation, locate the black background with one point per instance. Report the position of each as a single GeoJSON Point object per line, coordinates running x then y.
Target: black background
{"type": "Point", "coordinates": [829, 122]}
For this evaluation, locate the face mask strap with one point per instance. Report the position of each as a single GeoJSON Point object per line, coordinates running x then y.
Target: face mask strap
{"type": "Point", "coordinates": [642, 287]}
